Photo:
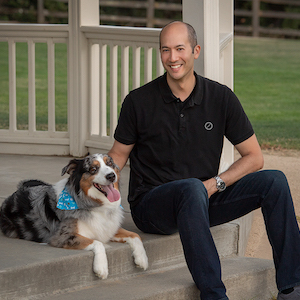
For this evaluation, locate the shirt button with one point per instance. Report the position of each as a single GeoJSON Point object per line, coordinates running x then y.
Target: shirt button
{"type": "Point", "coordinates": [181, 115]}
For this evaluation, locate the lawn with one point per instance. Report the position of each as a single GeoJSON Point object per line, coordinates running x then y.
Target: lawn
{"type": "Point", "coordinates": [267, 82]}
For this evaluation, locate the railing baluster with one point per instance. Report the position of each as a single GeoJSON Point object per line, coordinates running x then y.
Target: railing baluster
{"type": "Point", "coordinates": [31, 88]}
{"type": "Point", "coordinates": [125, 72]}
{"type": "Point", "coordinates": [148, 63]}
{"type": "Point", "coordinates": [159, 66]}
{"type": "Point", "coordinates": [136, 66]}
{"type": "Point", "coordinates": [103, 93]}
{"type": "Point", "coordinates": [94, 88]}
{"type": "Point", "coordinates": [113, 88]}
{"type": "Point", "coordinates": [51, 86]}
{"type": "Point", "coordinates": [12, 86]}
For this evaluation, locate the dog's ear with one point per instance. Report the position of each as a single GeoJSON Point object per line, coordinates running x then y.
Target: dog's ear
{"type": "Point", "coordinates": [70, 167]}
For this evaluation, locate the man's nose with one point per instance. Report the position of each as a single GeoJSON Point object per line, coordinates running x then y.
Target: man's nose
{"type": "Point", "coordinates": [173, 56]}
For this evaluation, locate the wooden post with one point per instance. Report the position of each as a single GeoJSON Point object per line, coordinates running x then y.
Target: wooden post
{"type": "Point", "coordinates": [40, 12]}
{"type": "Point", "coordinates": [255, 17]}
{"type": "Point", "coordinates": [150, 13]}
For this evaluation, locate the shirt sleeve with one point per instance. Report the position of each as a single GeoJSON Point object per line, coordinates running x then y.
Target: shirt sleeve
{"type": "Point", "coordinates": [126, 130]}
{"type": "Point", "coordinates": [238, 126]}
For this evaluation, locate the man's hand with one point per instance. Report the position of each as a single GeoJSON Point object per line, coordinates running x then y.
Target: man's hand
{"type": "Point", "coordinates": [211, 186]}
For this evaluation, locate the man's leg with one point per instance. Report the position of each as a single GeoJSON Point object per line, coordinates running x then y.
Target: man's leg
{"type": "Point", "coordinates": [270, 191]}
{"type": "Point", "coordinates": [183, 206]}
{"type": "Point", "coordinates": [266, 189]}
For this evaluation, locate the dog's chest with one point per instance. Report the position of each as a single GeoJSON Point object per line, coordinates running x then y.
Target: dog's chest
{"type": "Point", "coordinates": [101, 225]}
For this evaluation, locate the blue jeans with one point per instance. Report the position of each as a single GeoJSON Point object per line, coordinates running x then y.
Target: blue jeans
{"type": "Point", "coordinates": [183, 206]}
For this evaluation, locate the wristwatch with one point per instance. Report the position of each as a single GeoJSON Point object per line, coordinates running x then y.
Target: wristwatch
{"type": "Point", "coordinates": [221, 186]}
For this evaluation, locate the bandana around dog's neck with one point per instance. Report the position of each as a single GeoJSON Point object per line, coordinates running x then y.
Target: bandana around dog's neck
{"type": "Point", "coordinates": [66, 201]}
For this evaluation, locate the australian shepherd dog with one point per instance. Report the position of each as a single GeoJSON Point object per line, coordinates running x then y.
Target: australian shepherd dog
{"type": "Point", "coordinates": [79, 212]}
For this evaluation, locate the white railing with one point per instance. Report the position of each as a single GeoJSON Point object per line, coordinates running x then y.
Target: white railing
{"type": "Point", "coordinates": [14, 140]}
{"type": "Point", "coordinates": [119, 57]}
{"type": "Point", "coordinates": [127, 58]}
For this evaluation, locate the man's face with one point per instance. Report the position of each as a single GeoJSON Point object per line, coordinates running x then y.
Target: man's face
{"type": "Point", "coordinates": [177, 55]}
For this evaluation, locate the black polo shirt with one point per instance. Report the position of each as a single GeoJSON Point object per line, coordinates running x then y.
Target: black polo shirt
{"type": "Point", "coordinates": [174, 139]}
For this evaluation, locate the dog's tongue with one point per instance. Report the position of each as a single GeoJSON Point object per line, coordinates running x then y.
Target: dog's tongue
{"type": "Point", "coordinates": [112, 194]}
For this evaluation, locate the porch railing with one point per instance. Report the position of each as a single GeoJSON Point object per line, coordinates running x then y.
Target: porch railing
{"type": "Point", "coordinates": [118, 59]}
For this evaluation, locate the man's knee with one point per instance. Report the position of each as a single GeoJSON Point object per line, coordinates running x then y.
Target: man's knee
{"type": "Point", "coordinates": [274, 178]}
{"type": "Point", "coordinates": [193, 192]}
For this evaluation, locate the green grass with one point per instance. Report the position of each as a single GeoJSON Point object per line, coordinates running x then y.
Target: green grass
{"type": "Point", "coordinates": [267, 82]}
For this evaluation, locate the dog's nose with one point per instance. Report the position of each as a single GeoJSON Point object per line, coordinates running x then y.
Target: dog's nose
{"type": "Point", "coordinates": [111, 177]}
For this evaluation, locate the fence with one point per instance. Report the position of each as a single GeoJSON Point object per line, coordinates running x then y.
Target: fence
{"type": "Point", "coordinates": [255, 29]}
{"type": "Point", "coordinates": [151, 13]}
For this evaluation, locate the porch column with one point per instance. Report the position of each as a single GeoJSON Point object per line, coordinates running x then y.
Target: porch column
{"type": "Point", "coordinates": [81, 13]}
{"type": "Point", "coordinates": [213, 22]}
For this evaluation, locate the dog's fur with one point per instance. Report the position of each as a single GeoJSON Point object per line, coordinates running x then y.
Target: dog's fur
{"type": "Point", "coordinates": [31, 213]}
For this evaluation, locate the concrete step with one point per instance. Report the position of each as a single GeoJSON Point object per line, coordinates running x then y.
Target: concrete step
{"type": "Point", "coordinates": [29, 269]}
{"type": "Point", "coordinates": [245, 279]}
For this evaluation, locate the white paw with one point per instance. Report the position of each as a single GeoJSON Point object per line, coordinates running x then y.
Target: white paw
{"type": "Point", "coordinates": [139, 254]}
{"type": "Point", "coordinates": [100, 264]}
{"type": "Point", "coordinates": [101, 270]}
{"type": "Point", "coordinates": [141, 260]}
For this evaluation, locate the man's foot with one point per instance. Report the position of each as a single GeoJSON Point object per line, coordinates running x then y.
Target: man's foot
{"type": "Point", "coordinates": [295, 295]}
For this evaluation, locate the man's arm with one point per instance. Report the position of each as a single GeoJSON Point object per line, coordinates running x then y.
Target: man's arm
{"type": "Point", "coordinates": [251, 161]}
{"type": "Point", "coordinates": [120, 153]}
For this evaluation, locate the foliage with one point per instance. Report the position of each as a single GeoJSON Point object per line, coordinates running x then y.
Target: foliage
{"type": "Point", "coordinates": [25, 11]}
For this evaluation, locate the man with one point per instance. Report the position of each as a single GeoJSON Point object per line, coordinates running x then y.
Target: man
{"type": "Point", "coordinates": [173, 128]}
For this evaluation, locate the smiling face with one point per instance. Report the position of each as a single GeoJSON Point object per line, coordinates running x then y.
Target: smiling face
{"type": "Point", "coordinates": [102, 178]}
{"type": "Point", "coordinates": [177, 53]}
{"type": "Point", "coordinates": [97, 177]}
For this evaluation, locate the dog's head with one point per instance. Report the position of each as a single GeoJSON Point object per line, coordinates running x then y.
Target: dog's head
{"type": "Point", "coordinates": [97, 176]}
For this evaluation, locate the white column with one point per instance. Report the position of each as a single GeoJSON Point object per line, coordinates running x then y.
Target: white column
{"type": "Point", "coordinates": [81, 13]}
{"type": "Point", "coordinates": [203, 15]}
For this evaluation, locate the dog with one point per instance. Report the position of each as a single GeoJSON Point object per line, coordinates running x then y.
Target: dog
{"type": "Point", "coordinates": [82, 211]}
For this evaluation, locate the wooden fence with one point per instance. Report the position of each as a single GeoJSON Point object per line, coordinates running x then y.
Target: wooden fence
{"type": "Point", "coordinates": [256, 13]}
{"type": "Point", "coordinates": [151, 13]}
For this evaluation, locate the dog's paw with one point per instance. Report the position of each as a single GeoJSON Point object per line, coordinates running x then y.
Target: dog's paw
{"type": "Point", "coordinates": [101, 271]}
{"type": "Point", "coordinates": [141, 261]}
{"type": "Point", "coordinates": [100, 264]}
{"type": "Point", "coordinates": [139, 254]}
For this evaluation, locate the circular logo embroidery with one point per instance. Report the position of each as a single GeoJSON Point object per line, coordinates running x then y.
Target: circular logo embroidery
{"type": "Point", "coordinates": [208, 125]}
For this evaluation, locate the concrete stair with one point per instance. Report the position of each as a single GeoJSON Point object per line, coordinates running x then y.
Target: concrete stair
{"type": "Point", "coordinates": [30, 270]}
{"type": "Point", "coordinates": [33, 271]}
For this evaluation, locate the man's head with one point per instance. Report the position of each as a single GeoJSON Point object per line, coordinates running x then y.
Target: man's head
{"type": "Point", "coordinates": [192, 36]}
{"type": "Point", "coordinates": [178, 50]}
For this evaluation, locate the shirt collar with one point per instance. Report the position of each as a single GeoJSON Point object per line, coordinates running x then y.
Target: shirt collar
{"type": "Point", "coordinates": [195, 97]}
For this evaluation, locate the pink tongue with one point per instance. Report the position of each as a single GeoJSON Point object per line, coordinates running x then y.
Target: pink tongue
{"type": "Point", "coordinates": [112, 194]}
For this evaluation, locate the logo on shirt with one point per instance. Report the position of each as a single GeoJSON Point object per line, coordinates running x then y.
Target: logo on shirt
{"type": "Point", "coordinates": [208, 125]}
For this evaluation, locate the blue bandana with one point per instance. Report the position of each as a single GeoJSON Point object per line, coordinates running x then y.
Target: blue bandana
{"type": "Point", "coordinates": [66, 201]}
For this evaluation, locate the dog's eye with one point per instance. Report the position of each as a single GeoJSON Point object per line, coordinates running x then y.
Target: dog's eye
{"type": "Point", "coordinates": [93, 170]}
{"type": "Point", "coordinates": [110, 162]}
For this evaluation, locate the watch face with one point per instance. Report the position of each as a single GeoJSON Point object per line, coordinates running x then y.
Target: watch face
{"type": "Point", "coordinates": [221, 186]}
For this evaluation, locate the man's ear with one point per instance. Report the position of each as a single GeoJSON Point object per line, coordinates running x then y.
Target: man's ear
{"type": "Point", "coordinates": [197, 50]}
